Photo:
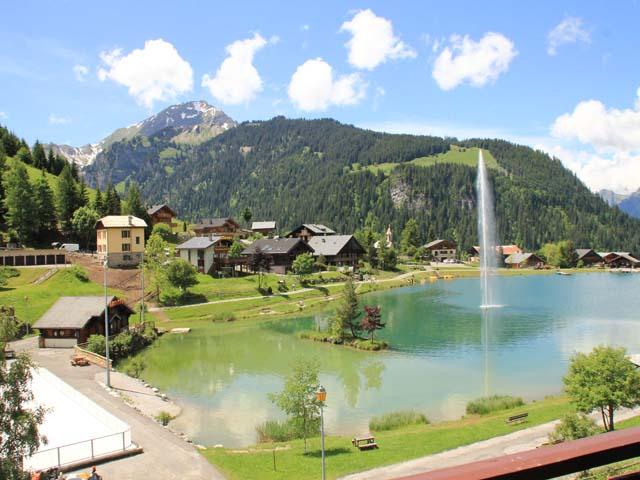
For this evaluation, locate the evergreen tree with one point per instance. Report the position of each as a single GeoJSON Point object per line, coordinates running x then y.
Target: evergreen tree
{"type": "Point", "coordinates": [410, 237]}
{"type": "Point", "coordinates": [74, 171]}
{"type": "Point", "coordinates": [133, 204]}
{"type": "Point", "coordinates": [67, 198]}
{"type": "Point", "coordinates": [83, 194]}
{"type": "Point", "coordinates": [98, 203]}
{"type": "Point", "coordinates": [39, 156]}
{"type": "Point", "coordinates": [19, 203]}
{"type": "Point", "coordinates": [112, 201]}
{"type": "Point", "coordinates": [3, 167]}
{"type": "Point", "coordinates": [24, 155]}
{"type": "Point", "coordinates": [51, 161]}
{"type": "Point", "coordinates": [44, 207]}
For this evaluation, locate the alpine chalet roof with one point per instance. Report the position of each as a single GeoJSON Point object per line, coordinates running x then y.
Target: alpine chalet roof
{"type": "Point", "coordinates": [273, 246]}
{"type": "Point", "coordinates": [263, 226]}
{"type": "Point", "coordinates": [436, 243]}
{"type": "Point", "coordinates": [329, 245]}
{"type": "Point", "coordinates": [214, 222]}
{"type": "Point", "coordinates": [517, 258]}
{"type": "Point", "coordinates": [72, 312]}
{"type": "Point", "coordinates": [198, 243]}
{"type": "Point", "coordinates": [156, 208]}
{"type": "Point", "coordinates": [582, 252]}
{"type": "Point", "coordinates": [120, 221]}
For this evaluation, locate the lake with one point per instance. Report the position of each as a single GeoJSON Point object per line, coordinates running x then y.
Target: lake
{"type": "Point", "coordinates": [445, 352]}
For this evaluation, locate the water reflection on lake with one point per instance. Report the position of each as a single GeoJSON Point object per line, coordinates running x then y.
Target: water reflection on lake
{"type": "Point", "coordinates": [441, 355]}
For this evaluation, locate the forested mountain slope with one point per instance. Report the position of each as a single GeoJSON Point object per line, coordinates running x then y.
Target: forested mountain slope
{"type": "Point", "coordinates": [297, 171]}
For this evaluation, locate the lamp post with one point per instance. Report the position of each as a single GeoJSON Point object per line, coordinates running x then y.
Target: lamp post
{"type": "Point", "coordinates": [321, 396]}
{"type": "Point", "coordinates": [106, 320]}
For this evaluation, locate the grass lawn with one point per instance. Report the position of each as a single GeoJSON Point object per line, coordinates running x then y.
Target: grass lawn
{"type": "Point", "coordinates": [462, 156]}
{"type": "Point", "coordinates": [395, 446]}
{"type": "Point", "coordinates": [31, 301]}
{"type": "Point", "coordinates": [26, 276]}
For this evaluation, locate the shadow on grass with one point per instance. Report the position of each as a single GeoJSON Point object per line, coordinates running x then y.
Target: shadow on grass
{"type": "Point", "coordinates": [328, 453]}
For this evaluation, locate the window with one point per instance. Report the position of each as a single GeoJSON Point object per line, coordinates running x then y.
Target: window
{"type": "Point", "coordinates": [126, 258]}
{"type": "Point", "coordinates": [126, 233]}
{"type": "Point", "coordinates": [137, 240]}
{"type": "Point", "coordinates": [126, 247]}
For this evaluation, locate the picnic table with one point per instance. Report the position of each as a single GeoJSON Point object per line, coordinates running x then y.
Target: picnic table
{"type": "Point", "coordinates": [364, 443]}
{"type": "Point", "coordinates": [519, 418]}
{"type": "Point", "coordinates": [79, 361]}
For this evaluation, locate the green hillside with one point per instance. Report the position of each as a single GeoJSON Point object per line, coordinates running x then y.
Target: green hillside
{"type": "Point", "coordinates": [52, 180]}
{"type": "Point", "coordinates": [456, 155]}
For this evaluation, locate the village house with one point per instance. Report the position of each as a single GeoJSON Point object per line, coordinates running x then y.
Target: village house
{"type": "Point", "coordinates": [338, 250]}
{"type": "Point", "coordinates": [71, 320]}
{"type": "Point", "coordinates": [441, 250]}
{"type": "Point", "coordinates": [120, 239]}
{"type": "Point", "coordinates": [278, 252]}
{"type": "Point", "coordinates": [226, 228]}
{"type": "Point", "coordinates": [308, 230]}
{"type": "Point", "coordinates": [523, 260]}
{"type": "Point", "coordinates": [588, 257]}
{"type": "Point", "coordinates": [207, 254]}
{"type": "Point", "coordinates": [161, 214]}
{"type": "Point", "coordinates": [264, 228]}
{"type": "Point", "coordinates": [619, 260]}
{"type": "Point", "coordinates": [502, 251]}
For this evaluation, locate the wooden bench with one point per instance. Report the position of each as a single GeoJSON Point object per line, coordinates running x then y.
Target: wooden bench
{"type": "Point", "coordinates": [519, 418]}
{"type": "Point", "coordinates": [364, 443]}
{"type": "Point", "coordinates": [9, 354]}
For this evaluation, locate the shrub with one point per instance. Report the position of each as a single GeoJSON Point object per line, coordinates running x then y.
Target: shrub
{"type": "Point", "coordinates": [494, 403]}
{"type": "Point", "coordinates": [96, 344]}
{"type": "Point", "coordinates": [369, 345]}
{"type": "Point", "coordinates": [164, 418]}
{"type": "Point", "coordinates": [224, 317]}
{"type": "Point", "coordinates": [573, 426]}
{"type": "Point", "coordinates": [277, 431]}
{"type": "Point", "coordinates": [78, 272]}
{"type": "Point", "coordinates": [135, 367]}
{"type": "Point", "coordinates": [393, 420]}
{"type": "Point", "coordinates": [163, 230]}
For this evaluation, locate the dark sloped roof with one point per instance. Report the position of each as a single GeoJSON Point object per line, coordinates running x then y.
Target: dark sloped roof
{"type": "Point", "coordinates": [435, 243]}
{"type": "Point", "coordinates": [72, 312]}
{"type": "Point", "coordinates": [198, 243]}
{"type": "Point", "coordinates": [263, 225]}
{"type": "Point", "coordinates": [582, 252]}
{"type": "Point", "coordinates": [330, 245]}
{"type": "Point", "coordinates": [316, 228]}
{"type": "Point", "coordinates": [156, 208]}
{"type": "Point", "coordinates": [274, 246]}
{"type": "Point", "coordinates": [517, 258]}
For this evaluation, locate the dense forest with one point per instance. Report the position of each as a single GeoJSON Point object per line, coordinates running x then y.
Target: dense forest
{"type": "Point", "coordinates": [295, 171]}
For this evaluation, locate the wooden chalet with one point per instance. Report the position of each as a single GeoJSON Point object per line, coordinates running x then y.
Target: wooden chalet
{"type": "Point", "coordinates": [265, 228]}
{"type": "Point", "coordinates": [161, 214]}
{"type": "Point", "coordinates": [503, 252]}
{"type": "Point", "coordinates": [308, 230]}
{"type": "Point", "coordinates": [619, 260]}
{"type": "Point", "coordinates": [208, 254]}
{"type": "Point", "coordinates": [588, 257]}
{"type": "Point", "coordinates": [278, 252]}
{"type": "Point", "coordinates": [71, 320]}
{"type": "Point", "coordinates": [225, 227]}
{"type": "Point", "coordinates": [441, 250]}
{"type": "Point", "coordinates": [338, 250]}
{"type": "Point", "coordinates": [524, 260]}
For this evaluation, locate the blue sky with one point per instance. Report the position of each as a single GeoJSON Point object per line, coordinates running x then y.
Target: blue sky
{"type": "Point", "coordinates": [562, 76]}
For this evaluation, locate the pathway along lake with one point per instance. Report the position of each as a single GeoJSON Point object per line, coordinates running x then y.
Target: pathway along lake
{"type": "Point", "coordinates": [221, 375]}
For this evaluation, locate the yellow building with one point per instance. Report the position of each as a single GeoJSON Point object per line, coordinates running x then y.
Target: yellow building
{"type": "Point", "coordinates": [121, 239]}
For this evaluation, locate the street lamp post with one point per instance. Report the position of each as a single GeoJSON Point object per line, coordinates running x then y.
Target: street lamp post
{"type": "Point", "coordinates": [321, 396]}
{"type": "Point", "coordinates": [106, 321]}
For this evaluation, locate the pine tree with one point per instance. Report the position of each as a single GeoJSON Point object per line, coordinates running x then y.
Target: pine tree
{"type": "Point", "coordinates": [67, 198]}
{"type": "Point", "coordinates": [44, 207]}
{"type": "Point", "coordinates": [39, 156]}
{"type": "Point", "coordinates": [3, 167]}
{"type": "Point", "coordinates": [98, 203]}
{"type": "Point", "coordinates": [24, 155]}
{"type": "Point", "coordinates": [133, 204]}
{"type": "Point", "coordinates": [51, 161]}
{"type": "Point", "coordinates": [83, 195]}
{"type": "Point", "coordinates": [112, 201]}
{"type": "Point", "coordinates": [19, 203]}
{"type": "Point", "coordinates": [409, 240]}
{"type": "Point", "coordinates": [74, 171]}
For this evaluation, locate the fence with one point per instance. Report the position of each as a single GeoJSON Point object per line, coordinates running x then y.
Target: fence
{"type": "Point", "coordinates": [81, 451]}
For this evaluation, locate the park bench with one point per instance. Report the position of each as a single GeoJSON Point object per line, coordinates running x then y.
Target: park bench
{"type": "Point", "coordinates": [8, 354]}
{"type": "Point", "coordinates": [519, 418]}
{"type": "Point", "coordinates": [364, 443]}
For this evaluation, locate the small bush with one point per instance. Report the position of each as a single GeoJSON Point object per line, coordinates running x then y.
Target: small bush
{"type": "Point", "coordinates": [573, 426]}
{"type": "Point", "coordinates": [78, 272]}
{"type": "Point", "coordinates": [135, 367]}
{"type": "Point", "coordinates": [276, 431]}
{"type": "Point", "coordinates": [372, 346]}
{"type": "Point", "coordinates": [164, 418]}
{"type": "Point", "coordinates": [393, 420]}
{"type": "Point", "coordinates": [494, 403]}
{"type": "Point", "coordinates": [224, 317]}
{"type": "Point", "coordinates": [96, 344]}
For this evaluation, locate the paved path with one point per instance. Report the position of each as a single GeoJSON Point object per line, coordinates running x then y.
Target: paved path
{"type": "Point", "coordinates": [165, 455]}
{"type": "Point", "coordinates": [293, 292]}
{"type": "Point", "coordinates": [520, 441]}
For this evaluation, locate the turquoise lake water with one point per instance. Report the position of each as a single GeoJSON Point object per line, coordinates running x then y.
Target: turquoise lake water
{"type": "Point", "coordinates": [446, 351]}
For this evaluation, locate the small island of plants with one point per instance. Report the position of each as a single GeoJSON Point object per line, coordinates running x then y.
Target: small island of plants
{"type": "Point", "coordinates": [346, 326]}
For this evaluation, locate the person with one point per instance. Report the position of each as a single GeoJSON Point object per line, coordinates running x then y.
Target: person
{"type": "Point", "coordinates": [94, 474]}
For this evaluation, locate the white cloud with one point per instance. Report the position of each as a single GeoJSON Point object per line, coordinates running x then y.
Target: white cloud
{"type": "Point", "coordinates": [154, 73]}
{"type": "Point", "coordinates": [372, 41]}
{"type": "Point", "coordinates": [567, 31]}
{"type": "Point", "coordinates": [313, 87]}
{"type": "Point", "coordinates": [591, 122]}
{"type": "Point", "coordinates": [237, 80]}
{"type": "Point", "coordinates": [81, 72]}
{"type": "Point", "coordinates": [58, 120]}
{"type": "Point", "coordinates": [3, 115]}
{"type": "Point", "coordinates": [477, 63]}
{"type": "Point", "coordinates": [619, 171]}
{"type": "Point", "coordinates": [305, 28]}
